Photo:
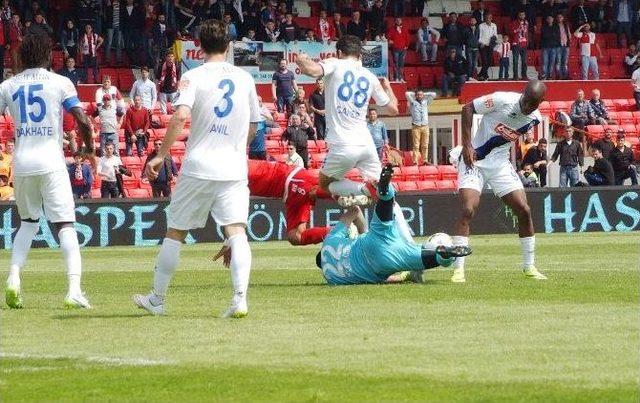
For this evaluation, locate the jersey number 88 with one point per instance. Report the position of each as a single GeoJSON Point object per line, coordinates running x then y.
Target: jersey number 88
{"type": "Point", "coordinates": [346, 91]}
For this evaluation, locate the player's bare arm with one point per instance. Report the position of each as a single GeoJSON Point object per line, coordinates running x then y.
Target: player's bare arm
{"type": "Point", "coordinates": [176, 124]}
{"type": "Point", "coordinates": [392, 107]}
{"type": "Point", "coordinates": [86, 132]}
{"type": "Point", "coordinates": [308, 66]}
{"type": "Point", "coordinates": [468, 153]}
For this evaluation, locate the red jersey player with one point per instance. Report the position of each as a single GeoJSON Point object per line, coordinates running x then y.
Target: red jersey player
{"type": "Point", "coordinates": [299, 190]}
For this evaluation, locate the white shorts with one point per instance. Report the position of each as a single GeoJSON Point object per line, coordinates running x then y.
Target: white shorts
{"type": "Point", "coordinates": [194, 199]}
{"type": "Point", "coordinates": [51, 192]}
{"type": "Point", "coordinates": [500, 175]}
{"type": "Point", "coordinates": [342, 159]}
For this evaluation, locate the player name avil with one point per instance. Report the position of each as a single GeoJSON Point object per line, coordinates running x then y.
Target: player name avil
{"type": "Point", "coordinates": [34, 131]}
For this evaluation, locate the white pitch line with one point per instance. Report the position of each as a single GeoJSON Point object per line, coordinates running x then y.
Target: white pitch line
{"type": "Point", "coordinates": [112, 361]}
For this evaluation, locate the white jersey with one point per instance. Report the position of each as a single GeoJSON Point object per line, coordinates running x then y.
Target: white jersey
{"type": "Point", "coordinates": [35, 98]}
{"type": "Point", "coordinates": [348, 88]}
{"type": "Point", "coordinates": [223, 102]}
{"type": "Point", "coordinates": [502, 123]}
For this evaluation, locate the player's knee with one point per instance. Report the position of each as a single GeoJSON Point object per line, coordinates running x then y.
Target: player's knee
{"type": "Point", "coordinates": [523, 211]}
{"type": "Point", "coordinates": [294, 238]}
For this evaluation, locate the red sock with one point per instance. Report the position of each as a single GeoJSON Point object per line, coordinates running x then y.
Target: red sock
{"type": "Point", "coordinates": [314, 235]}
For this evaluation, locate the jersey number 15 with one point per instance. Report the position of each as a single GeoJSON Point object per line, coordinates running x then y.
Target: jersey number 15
{"type": "Point", "coordinates": [30, 99]}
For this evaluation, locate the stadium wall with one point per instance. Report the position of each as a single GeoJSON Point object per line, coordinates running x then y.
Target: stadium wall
{"type": "Point", "coordinates": [141, 222]}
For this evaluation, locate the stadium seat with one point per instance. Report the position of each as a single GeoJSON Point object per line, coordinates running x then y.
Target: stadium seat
{"type": "Point", "coordinates": [411, 173]}
{"type": "Point", "coordinates": [407, 186]}
{"type": "Point", "coordinates": [178, 148]}
{"type": "Point", "coordinates": [429, 172]}
{"type": "Point", "coordinates": [446, 185]}
{"type": "Point", "coordinates": [274, 146]}
{"type": "Point", "coordinates": [137, 193]}
{"type": "Point", "coordinates": [630, 130]}
{"type": "Point", "coordinates": [447, 172]}
{"type": "Point", "coordinates": [621, 104]}
{"type": "Point", "coordinates": [625, 118]}
{"type": "Point", "coordinates": [398, 176]}
{"type": "Point", "coordinates": [95, 193]}
{"type": "Point", "coordinates": [426, 185]}
{"type": "Point", "coordinates": [133, 162]}
{"type": "Point", "coordinates": [595, 132]}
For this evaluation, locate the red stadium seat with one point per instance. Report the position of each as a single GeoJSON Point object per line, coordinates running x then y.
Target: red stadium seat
{"type": "Point", "coordinates": [411, 173]}
{"type": "Point", "coordinates": [132, 162]}
{"type": "Point", "coordinates": [407, 186]}
{"type": "Point", "coordinates": [625, 118]}
{"type": "Point", "coordinates": [429, 173]}
{"type": "Point", "coordinates": [630, 130]}
{"type": "Point", "coordinates": [137, 193]}
{"type": "Point", "coordinates": [446, 185]}
{"type": "Point", "coordinates": [448, 172]}
{"type": "Point", "coordinates": [178, 148]}
{"type": "Point", "coordinates": [273, 146]}
{"type": "Point", "coordinates": [621, 104]}
{"type": "Point", "coordinates": [426, 185]}
{"type": "Point", "coordinates": [398, 176]}
{"type": "Point", "coordinates": [595, 132]}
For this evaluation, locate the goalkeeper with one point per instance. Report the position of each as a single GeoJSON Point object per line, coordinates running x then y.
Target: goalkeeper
{"type": "Point", "coordinates": [375, 255]}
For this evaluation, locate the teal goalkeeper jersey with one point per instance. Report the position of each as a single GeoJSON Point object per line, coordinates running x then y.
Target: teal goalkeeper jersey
{"type": "Point", "coordinates": [370, 258]}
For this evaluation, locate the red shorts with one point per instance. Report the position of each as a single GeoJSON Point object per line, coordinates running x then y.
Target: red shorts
{"type": "Point", "coordinates": [297, 208]}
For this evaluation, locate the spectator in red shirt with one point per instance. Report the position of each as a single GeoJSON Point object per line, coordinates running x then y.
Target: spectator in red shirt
{"type": "Point", "coordinates": [324, 29]}
{"type": "Point", "coordinates": [520, 31]}
{"type": "Point", "coordinates": [15, 38]}
{"type": "Point", "coordinates": [398, 37]}
{"type": "Point", "coordinates": [136, 127]}
{"type": "Point", "coordinates": [69, 138]}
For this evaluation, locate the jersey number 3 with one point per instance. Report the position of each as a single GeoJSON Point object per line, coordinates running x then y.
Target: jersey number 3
{"type": "Point", "coordinates": [229, 88]}
{"type": "Point", "coordinates": [30, 99]}
{"type": "Point", "coordinates": [346, 92]}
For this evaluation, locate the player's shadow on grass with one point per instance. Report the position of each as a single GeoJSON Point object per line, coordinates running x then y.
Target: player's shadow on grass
{"type": "Point", "coordinates": [281, 285]}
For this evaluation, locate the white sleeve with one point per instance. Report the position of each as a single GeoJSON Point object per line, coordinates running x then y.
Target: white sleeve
{"type": "Point", "coordinates": [254, 107]}
{"type": "Point", "coordinates": [430, 97]}
{"type": "Point", "coordinates": [578, 35]}
{"type": "Point", "coordinates": [68, 94]}
{"type": "Point", "coordinates": [99, 96]}
{"type": "Point", "coordinates": [3, 103]}
{"type": "Point", "coordinates": [186, 91]}
{"type": "Point", "coordinates": [328, 66]}
{"type": "Point", "coordinates": [487, 103]}
{"type": "Point", "coordinates": [379, 94]}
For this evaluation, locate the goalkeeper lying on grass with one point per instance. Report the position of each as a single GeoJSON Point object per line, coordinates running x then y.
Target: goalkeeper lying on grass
{"type": "Point", "coordinates": [374, 256]}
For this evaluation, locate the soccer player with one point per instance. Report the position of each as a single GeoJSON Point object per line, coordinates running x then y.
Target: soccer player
{"type": "Point", "coordinates": [485, 159]}
{"type": "Point", "coordinates": [380, 252]}
{"type": "Point", "coordinates": [36, 99]}
{"type": "Point", "coordinates": [298, 188]}
{"type": "Point", "coordinates": [348, 88]}
{"type": "Point", "coordinates": [223, 105]}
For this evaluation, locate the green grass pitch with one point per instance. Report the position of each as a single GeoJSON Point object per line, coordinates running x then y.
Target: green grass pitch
{"type": "Point", "coordinates": [499, 337]}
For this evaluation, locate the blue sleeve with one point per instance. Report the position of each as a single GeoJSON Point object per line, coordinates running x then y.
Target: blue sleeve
{"type": "Point", "coordinates": [70, 102]}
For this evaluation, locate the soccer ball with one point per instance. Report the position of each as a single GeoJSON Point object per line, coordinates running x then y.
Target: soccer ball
{"type": "Point", "coordinates": [440, 238]}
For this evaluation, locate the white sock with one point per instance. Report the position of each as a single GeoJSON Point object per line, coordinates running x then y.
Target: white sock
{"type": "Point", "coordinates": [20, 250]}
{"type": "Point", "coordinates": [459, 241]}
{"type": "Point", "coordinates": [346, 187]}
{"type": "Point", "coordinates": [240, 266]}
{"type": "Point", "coordinates": [528, 246]}
{"type": "Point", "coordinates": [71, 253]}
{"type": "Point", "coordinates": [401, 223]}
{"type": "Point", "coordinates": [166, 264]}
